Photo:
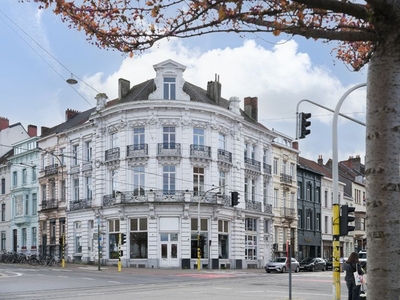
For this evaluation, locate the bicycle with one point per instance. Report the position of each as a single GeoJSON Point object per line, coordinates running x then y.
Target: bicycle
{"type": "Point", "coordinates": [54, 260]}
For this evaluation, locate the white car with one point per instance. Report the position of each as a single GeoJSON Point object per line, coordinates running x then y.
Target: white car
{"type": "Point", "coordinates": [280, 264]}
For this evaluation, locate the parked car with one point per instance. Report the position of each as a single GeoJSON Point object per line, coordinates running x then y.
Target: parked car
{"type": "Point", "coordinates": [362, 256]}
{"type": "Point", "coordinates": [279, 264]}
{"type": "Point", "coordinates": [329, 263]}
{"type": "Point", "coordinates": [312, 264]}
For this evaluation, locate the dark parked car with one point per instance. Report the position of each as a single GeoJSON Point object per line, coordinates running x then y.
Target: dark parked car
{"type": "Point", "coordinates": [312, 264]}
{"type": "Point", "coordinates": [329, 263]}
{"type": "Point", "coordinates": [279, 265]}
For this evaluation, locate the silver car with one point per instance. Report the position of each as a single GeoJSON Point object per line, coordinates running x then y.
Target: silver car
{"type": "Point", "coordinates": [279, 264]}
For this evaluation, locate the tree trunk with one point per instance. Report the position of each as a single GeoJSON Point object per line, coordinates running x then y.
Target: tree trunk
{"type": "Point", "coordinates": [383, 170]}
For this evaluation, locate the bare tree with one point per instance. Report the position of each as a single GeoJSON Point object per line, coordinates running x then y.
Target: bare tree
{"type": "Point", "coordinates": [366, 31]}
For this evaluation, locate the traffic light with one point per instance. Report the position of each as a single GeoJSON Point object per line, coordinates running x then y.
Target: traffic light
{"type": "Point", "coordinates": [123, 238]}
{"type": "Point", "coordinates": [234, 198]}
{"type": "Point", "coordinates": [60, 241]}
{"type": "Point", "coordinates": [345, 218]}
{"type": "Point", "coordinates": [304, 124]}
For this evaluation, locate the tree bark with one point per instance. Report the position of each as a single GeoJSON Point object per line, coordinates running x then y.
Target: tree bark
{"type": "Point", "coordinates": [383, 170]}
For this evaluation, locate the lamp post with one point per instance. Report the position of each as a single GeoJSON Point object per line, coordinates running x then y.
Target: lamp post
{"type": "Point", "coordinates": [198, 226]}
{"type": "Point", "coordinates": [62, 192]}
{"type": "Point", "coordinates": [335, 202]}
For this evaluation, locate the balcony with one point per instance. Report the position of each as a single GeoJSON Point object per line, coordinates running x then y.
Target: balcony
{"type": "Point", "coordinates": [51, 170]}
{"type": "Point", "coordinates": [253, 205]}
{"type": "Point", "coordinates": [137, 153]}
{"type": "Point", "coordinates": [170, 152]}
{"type": "Point", "coordinates": [288, 213]}
{"type": "Point", "coordinates": [49, 204]}
{"type": "Point", "coordinates": [286, 179]}
{"type": "Point", "coordinates": [21, 220]}
{"type": "Point", "coordinates": [200, 154]}
{"type": "Point", "coordinates": [268, 208]}
{"type": "Point", "coordinates": [224, 158]}
{"type": "Point", "coordinates": [80, 204]}
{"type": "Point", "coordinates": [252, 166]}
{"type": "Point", "coordinates": [112, 155]}
{"type": "Point", "coordinates": [267, 169]}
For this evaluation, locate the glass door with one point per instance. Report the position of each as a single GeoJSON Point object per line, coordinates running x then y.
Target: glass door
{"type": "Point", "coordinates": [169, 250]}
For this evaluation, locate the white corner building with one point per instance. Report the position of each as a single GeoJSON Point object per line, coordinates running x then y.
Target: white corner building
{"type": "Point", "coordinates": [150, 175]}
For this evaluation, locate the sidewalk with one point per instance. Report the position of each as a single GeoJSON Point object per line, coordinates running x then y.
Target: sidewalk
{"type": "Point", "coordinates": [155, 271]}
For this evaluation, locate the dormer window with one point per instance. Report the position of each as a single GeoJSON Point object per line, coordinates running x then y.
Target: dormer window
{"type": "Point", "coordinates": [169, 88]}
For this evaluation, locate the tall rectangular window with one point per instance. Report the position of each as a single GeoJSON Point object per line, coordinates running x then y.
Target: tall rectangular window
{"type": "Point", "coordinates": [326, 224]}
{"type": "Point", "coordinates": [3, 212]}
{"type": "Point", "coordinates": [253, 152]}
{"type": "Point", "coordinates": [139, 181]}
{"type": "Point", "coordinates": [75, 155]}
{"type": "Point", "coordinates": [222, 182]}
{"type": "Point", "coordinates": [114, 182]}
{"type": "Point", "coordinates": [3, 186]}
{"type": "Point", "coordinates": [53, 190]}
{"type": "Point", "coordinates": [63, 190]}
{"type": "Point", "coordinates": [246, 189]}
{"type": "Point", "coordinates": [169, 88]}
{"type": "Point", "coordinates": [23, 237]}
{"type": "Point", "coordinates": [276, 192]}
{"type": "Point", "coordinates": [15, 178]}
{"type": "Point", "coordinates": [138, 238]}
{"type": "Point", "coordinates": [76, 189]}
{"type": "Point", "coordinates": [44, 193]}
{"type": "Point", "coordinates": [275, 166]}
{"type": "Point", "coordinates": [221, 141]}
{"type": "Point", "coordinates": [3, 240]}
{"type": "Point", "coordinates": [138, 138]}
{"type": "Point", "coordinates": [26, 205]}
{"type": "Point", "coordinates": [253, 190]}
{"type": "Point", "coordinates": [34, 237]}
{"type": "Point", "coordinates": [88, 148]}
{"type": "Point", "coordinates": [113, 238]}
{"type": "Point", "coordinates": [34, 204]}
{"type": "Point", "coordinates": [198, 181]}
{"type": "Point", "coordinates": [169, 137]}
{"type": "Point", "coordinates": [251, 238]}
{"type": "Point", "coordinates": [88, 184]}
{"type": "Point", "coordinates": [169, 180]}
{"type": "Point", "coordinates": [199, 230]}
{"type": "Point", "coordinates": [265, 192]}
{"type": "Point", "coordinates": [198, 136]}
{"type": "Point", "coordinates": [223, 239]}
{"type": "Point", "coordinates": [24, 176]}
{"type": "Point", "coordinates": [34, 175]}
{"type": "Point", "coordinates": [114, 140]}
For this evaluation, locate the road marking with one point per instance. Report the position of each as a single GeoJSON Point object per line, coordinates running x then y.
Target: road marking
{"type": "Point", "coordinates": [114, 281]}
{"type": "Point", "coordinates": [88, 278]}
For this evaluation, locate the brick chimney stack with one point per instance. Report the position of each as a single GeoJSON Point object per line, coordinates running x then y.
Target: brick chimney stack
{"type": "Point", "coordinates": [70, 113]}
{"type": "Point", "coordinates": [320, 160]}
{"type": "Point", "coordinates": [4, 123]}
{"type": "Point", "coordinates": [32, 130]}
{"type": "Point", "coordinates": [251, 107]}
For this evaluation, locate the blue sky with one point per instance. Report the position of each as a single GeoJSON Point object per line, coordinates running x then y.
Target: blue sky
{"type": "Point", "coordinates": [39, 53]}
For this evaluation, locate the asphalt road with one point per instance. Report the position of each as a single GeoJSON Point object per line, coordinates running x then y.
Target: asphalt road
{"type": "Point", "coordinates": [87, 283]}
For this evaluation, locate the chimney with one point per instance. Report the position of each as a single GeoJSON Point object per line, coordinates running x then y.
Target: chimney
{"type": "Point", "coordinates": [251, 107]}
{"type": "Point", "coordinates": [214, 89]}
{"type": "Point", "coordinates": [295, 145]}
{"type": "Point", "coordinates": [32, 130]}
{"type": "Point", "coordinates": [123, 88]}
{"type": "Point", "coordinates": [101, 101]}
{"type": "Point", "coordinates": [70, 113]}
{"type": "Point", "coordinates": [320, 160]}
{"type": "Point", "coordinates": [43, 130]}
{"type": "Point", "coordinates": [4, 123]}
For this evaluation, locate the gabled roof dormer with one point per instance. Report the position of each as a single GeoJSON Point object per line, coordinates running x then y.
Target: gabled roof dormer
{"type": "Point", "coordinates": [169, 81]}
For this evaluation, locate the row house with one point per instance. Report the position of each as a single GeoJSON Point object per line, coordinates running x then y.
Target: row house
{"type": "Point", "coordinates": [284, 201]}
{"type": "Point", "coordinates": [18, 180]}
{"type": "Point", "coordinates": [159, 165]}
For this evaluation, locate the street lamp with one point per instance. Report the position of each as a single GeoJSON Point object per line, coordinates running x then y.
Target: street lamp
{"type": "Point", "coordinates": [62, 193]}
{"type": "Point", "coordinates": [335, 202]}
{"type": "Point", "coordinates": [198, 225]}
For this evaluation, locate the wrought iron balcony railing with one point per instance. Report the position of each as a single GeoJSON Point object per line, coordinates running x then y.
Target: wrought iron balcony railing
{"type": "Point", "coordinates": [253, 205]}
{"type": "Point", "coordinates": [288, 212]}
{"type": "Point", "coordinates": [169, 149]}
{"type": "Point", "coordinates": [224, 156]}
{"type": "Point", "coordinates": [51, 170]}
{"type": "Point", "coordinates": [80, 204]}
{"type": "Point", "coordinates": [49, 204]}
{"type": "Point", "coordinates": [267, 169]}
{"type": "Point", "coordinates": [285, 178]}
{"type": "Point", "coordinates": [200, 151]}
{"type": "Point", "coordinates": [112, 154]}
{"type": "Point", "coordinates": [252, 164]}
{"type": "Point", "coordinates": [139, 150]}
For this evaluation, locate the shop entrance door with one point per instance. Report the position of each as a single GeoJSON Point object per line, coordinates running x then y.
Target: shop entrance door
{"type": "Point", "coordinates": [169, 243]}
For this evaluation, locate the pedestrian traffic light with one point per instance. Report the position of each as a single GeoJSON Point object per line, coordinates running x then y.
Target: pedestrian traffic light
{"type": "Point", "coordinates": [123, 238]}
{"type": "Point", "coordinates": [304, 124]}
{"type": "Point", "coordinates": [346, 218]}
{"type": "Point", "coordinates": [234, 198]}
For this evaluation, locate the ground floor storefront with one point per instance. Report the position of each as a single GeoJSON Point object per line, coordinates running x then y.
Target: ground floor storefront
{"type": "Point", "coordinates": [170, 236]}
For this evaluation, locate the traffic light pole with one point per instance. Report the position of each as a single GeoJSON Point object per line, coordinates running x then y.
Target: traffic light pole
{"type": "Point", "coordinates": [335, 202]}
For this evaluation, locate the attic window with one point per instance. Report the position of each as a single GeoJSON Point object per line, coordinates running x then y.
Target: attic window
{"type": "Point", "coordinates": [169, 88]}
